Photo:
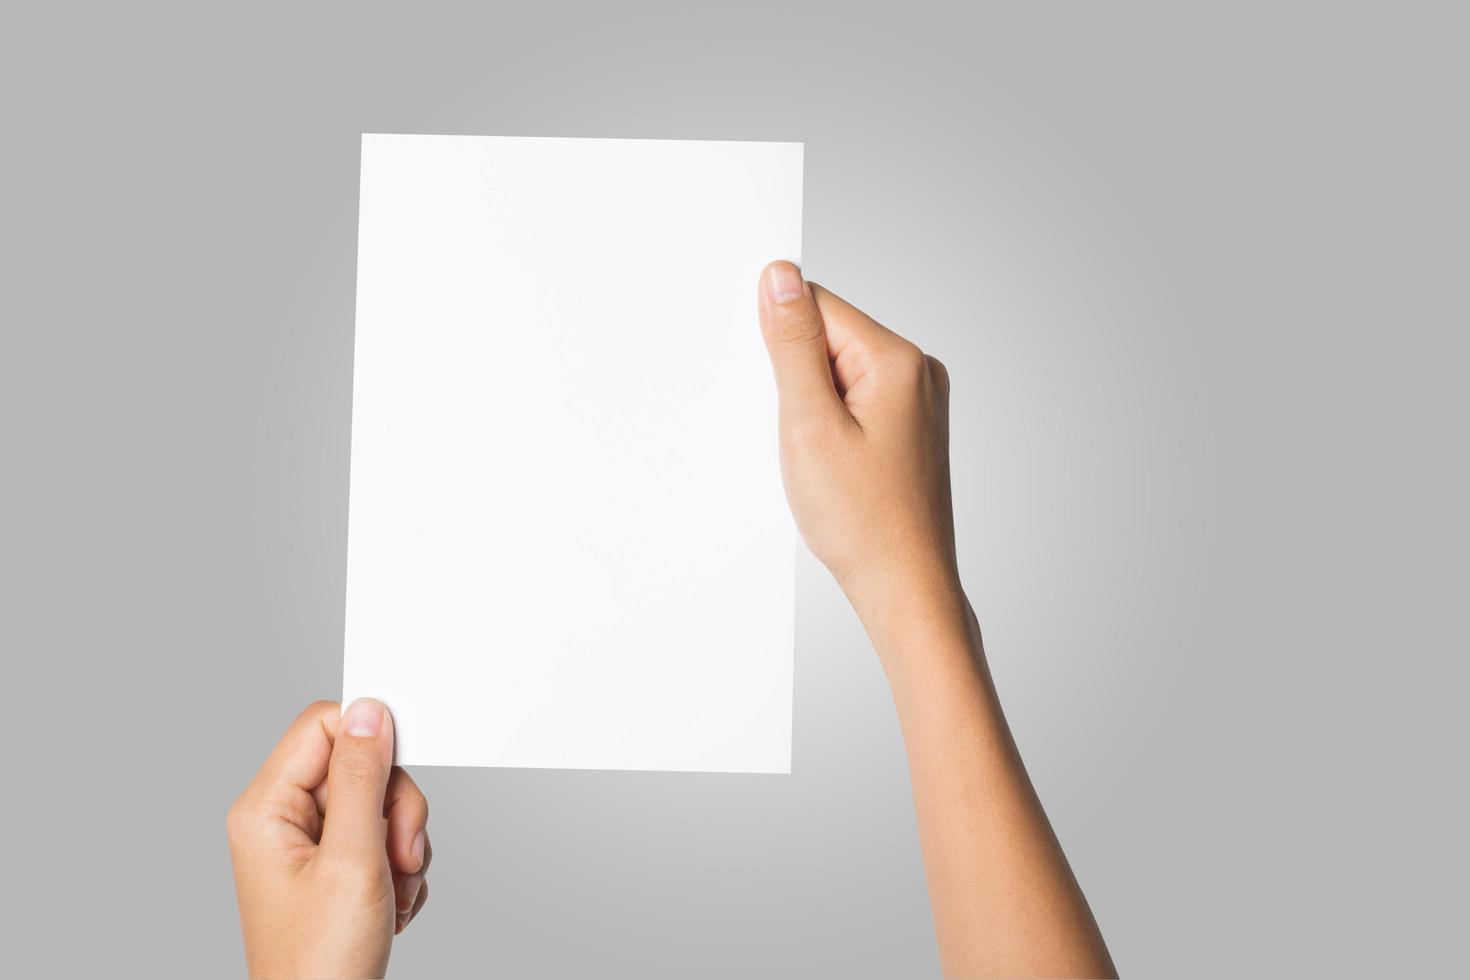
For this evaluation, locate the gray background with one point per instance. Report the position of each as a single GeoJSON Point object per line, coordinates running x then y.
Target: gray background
{"type": "Point", "coordinates": [1199, 279]}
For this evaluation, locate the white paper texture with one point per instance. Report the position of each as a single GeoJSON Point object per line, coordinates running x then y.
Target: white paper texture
{"type": "Point", "coordinates": [568, 545]}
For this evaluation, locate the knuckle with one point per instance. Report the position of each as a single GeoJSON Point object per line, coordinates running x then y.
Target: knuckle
{"type": "Point", "coordinates": [355, 767]}
{"type": "Point", "coordinates": [939, 373]}
{"type": "Point", "coordinates": [412, 802]}
{"type": "Point", "coordinates": [315, 710]}
{"type": "Point", "coordinates": [239, 819]}
{"type": "Point", "coordinates": [910, 357]}
{"type": "Point", "coordinates": [907, 363]}
{"type": "Point", "coordinates": [798, 329]}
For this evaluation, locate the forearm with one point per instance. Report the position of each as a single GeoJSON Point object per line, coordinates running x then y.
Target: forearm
{"type": "Point", "coordinates": [1005, 901]}
{"type": "Point", "coordinates": [865, 458]}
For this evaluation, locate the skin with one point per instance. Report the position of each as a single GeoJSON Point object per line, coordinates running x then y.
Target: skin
{"type": "Point", "coordinates": [330, 848]}
{"type": "Point", "coordinates": [328, 842]}
{"type": "Point", "coordinates": [865, 457]}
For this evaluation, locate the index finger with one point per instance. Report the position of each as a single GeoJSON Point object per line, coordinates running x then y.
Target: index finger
{"type": "Point", "coordinates": [300, 758]}
{"type": "Point", "coordinates": [848, 326]}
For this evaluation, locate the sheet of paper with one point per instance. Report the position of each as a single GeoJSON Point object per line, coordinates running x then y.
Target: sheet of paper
{"type": "Point", "coordinates": [568, 544]}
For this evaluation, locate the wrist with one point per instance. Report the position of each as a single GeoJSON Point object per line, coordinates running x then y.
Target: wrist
{"type": "Point", "coordinates": [914, 609]}
{"type": "Point", "coordinates": [928, 641]}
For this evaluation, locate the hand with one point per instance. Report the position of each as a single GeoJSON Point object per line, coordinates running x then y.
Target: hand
{"type": "Point", "coordinates": [865, 457]}
{"type": "Point", "coordinates": [864, 446]}
{"type": "Point", "coordinates": [329, 848]}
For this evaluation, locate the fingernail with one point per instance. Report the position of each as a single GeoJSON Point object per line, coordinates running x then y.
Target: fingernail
{"type": "Point", "coordinates": [364, 718]}
{"type": "Point", "coordinates": [417, 850]}
{"type": "Point", "coordinates": [783, 282]}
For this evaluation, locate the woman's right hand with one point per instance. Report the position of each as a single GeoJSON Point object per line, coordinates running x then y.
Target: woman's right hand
{"type": "Point", "coordinates": [864, 420]}
{"type": "Point", "coordinates": [865, 457]}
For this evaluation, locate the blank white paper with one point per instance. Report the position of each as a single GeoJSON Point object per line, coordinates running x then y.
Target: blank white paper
{"type": "Point", "coordinates": [568, 545]}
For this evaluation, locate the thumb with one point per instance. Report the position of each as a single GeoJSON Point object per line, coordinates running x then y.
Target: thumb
{"type": "Point", "coordinates": [796, 339]}
{"type": "Point", "coordinates": [357, 778]}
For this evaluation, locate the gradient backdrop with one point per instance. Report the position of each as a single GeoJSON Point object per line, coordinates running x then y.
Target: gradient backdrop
{"type": "Point", "coordinates": [1198, 277]}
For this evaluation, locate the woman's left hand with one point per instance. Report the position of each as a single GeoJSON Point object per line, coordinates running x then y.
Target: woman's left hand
{"type": "Point", "coordinates": [329, 848]}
